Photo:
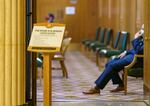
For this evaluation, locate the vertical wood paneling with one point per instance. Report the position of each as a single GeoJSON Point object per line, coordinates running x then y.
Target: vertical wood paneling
{"type": "Point", "coordinates": [12, 38]}
{"type": "Point", "coordinates": [123, 15]}
{"type": "Point", "coordinates": [119, 15]}
{"type": "Point", "coordinates": [24, 51]}
{"type": "Point", "coordinates": [110, 13]}
{"type": "Point", "coordinates": [105, 22]}
{"type": "Point", "coordinates": [2, 52]}
{"type": "Point", "coordinates": [114, 15]}
{"type": "Point", "coordinates": [139, 13]}
{"type": "Point", "coordinates": [20, 52]}
{"type": "Point", "coordinates": [100, 12]}
{"type": "Point", "coordinates": [90, 19]}
{"type": "Point", "coordinates": [14, 52]}
{"type": "Point", "coordinates": [50, 6]}
{"type": "Point", "coordinates": [81, 25]}
{"type": "Point", "coordinates": [146, 43]}
{"type": "Point", "coordinates": [146, 63]}
{"type": "Point", "coordinates": [100, 8]}
{"type": "Point", "coordinates": [82, 18]}
{"type": "Point", "coordinates": [132, 20]}
{"type": "Point", "coordinates": [8, 51]}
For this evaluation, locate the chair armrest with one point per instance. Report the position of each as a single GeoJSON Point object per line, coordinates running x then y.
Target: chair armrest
{"type": "Point", "coordinates": [134, 61]}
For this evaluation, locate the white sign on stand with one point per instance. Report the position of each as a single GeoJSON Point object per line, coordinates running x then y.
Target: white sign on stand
{"type": "Point", "coordinates": [46, 37]}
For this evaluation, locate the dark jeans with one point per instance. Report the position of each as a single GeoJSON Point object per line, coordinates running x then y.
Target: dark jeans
{"type": "Point", "coordinates": [111, 71]}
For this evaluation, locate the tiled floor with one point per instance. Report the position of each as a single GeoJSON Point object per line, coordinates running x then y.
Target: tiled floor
{"type": "Point", "coordinates": [82, 73]}
{"type": "Point", "coordinates": [96, 103]}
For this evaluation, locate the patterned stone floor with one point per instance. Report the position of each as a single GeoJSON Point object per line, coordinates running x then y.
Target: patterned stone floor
{"type": "Point", "coordinates": [82, 73]}
{"type": "Point", "coordinates": [96, 103]}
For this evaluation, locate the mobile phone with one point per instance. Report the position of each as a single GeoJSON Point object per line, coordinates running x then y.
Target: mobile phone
{"type": "Point", "coordinates": [141, 32]}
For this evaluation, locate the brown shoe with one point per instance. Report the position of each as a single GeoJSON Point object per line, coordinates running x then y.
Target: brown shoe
{"type": "Point", "coordinates": [92, 91]}
{"type": "Point", "coordinates": [117, 89]}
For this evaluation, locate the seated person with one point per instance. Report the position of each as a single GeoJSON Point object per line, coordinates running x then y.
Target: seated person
{"type": "Point", "coordinates": [116, 65]}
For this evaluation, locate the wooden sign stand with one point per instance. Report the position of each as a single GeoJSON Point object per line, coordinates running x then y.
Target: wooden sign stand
{"type": "Point", "coordinates": [47, 79]}
{"type": "Point", "coordinates": [51, 35]}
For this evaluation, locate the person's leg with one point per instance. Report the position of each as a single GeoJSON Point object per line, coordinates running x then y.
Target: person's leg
{"type": "Point", "coordinates": [105, 77]}
{"type": "Point", "coordinates": [117, 80]}
{"type": "Point", "coordinates": [96, 89]}
{"type": "Point", "coordinates": [111, 69]}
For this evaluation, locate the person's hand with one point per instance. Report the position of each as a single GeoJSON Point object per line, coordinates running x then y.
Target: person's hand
{"type": "Point", "coordinates": [137, 34]}
{"type": "Point", "coordinates": [122, 54]}
{"type": "Point", "coordinates": [140, 32]}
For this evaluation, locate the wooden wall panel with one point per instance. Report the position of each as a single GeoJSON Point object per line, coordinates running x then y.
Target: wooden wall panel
{"type": "Point", "coordinates": [89, 19]}
{"type": "Point", "coordinates": [84, 23]}
{"type": "Point", "coordinates": [119, 15]}
{"type": "Point", "coordinates": [12, 44]}
{"type": "Point", "coordinates": [81, 25]}
{"type": "Point", "coordinates": [146, 43]}
{"type": "Point", "coordinates": [2, 53]}
{"type": "Point", "coordinates": [8, 57]}
{"type": "Point", "coordinates": [132, 20]}
{"type": "Point", "coordinates": [74, 25]}
{"type": "Point", "coordinates": [50, 6]}
{"type": "Point", "coordinates": [123, 15]}
{"type": "Point", "coordinates": [113, 13]}
{"type": "Point", "coordinates": [139, 13]}
{"type": "Point", "coordinates": [103, 13]}
{"type": "Point", "coordinates": [14, 53]}
{"type": "Point", "coordinates": [105, 22]}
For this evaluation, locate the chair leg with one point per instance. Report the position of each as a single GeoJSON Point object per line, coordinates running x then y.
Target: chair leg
{"type": "Point", "coordinates": [64, 70]}
{"type": "Point", "coordinates": [125, 81]}
{"type": "Point", "coordinates": [40, 75]}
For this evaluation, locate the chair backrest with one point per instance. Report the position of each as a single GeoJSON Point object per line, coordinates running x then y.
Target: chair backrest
{"type": "Point", "coordinates": [102, 35]}
{"type": "Point", "coordinates": [65, 44]}
{"type": "Point", "coordinates": [97, 34]}
{"type": "Point", "coordinates": [123, 40]}
{"type": "Point", "coordinates": [108, 37]}
{"type": "Point", "coordinates": [117, 40]}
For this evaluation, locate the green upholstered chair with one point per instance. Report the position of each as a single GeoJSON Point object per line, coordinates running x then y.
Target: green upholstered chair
{"type": "Point", "coordinates": [134, 69]}
{"type": "Point", "coordinates": [39, 60]}
{"type": "Point", "coordinates": [113, 47]}
{"type": "Point", "coordinates": [101, 38]}
{"type": "Point", "coordinates": [102, 43]}
{"type": "Point", "coordinates": [88, 41]}
{"type": "Point", "coordinates": [136, 72]}
{"type": "Point", "coordinates": [120, 46]}
{"type": "Point", "coordinates": [98, 49]}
